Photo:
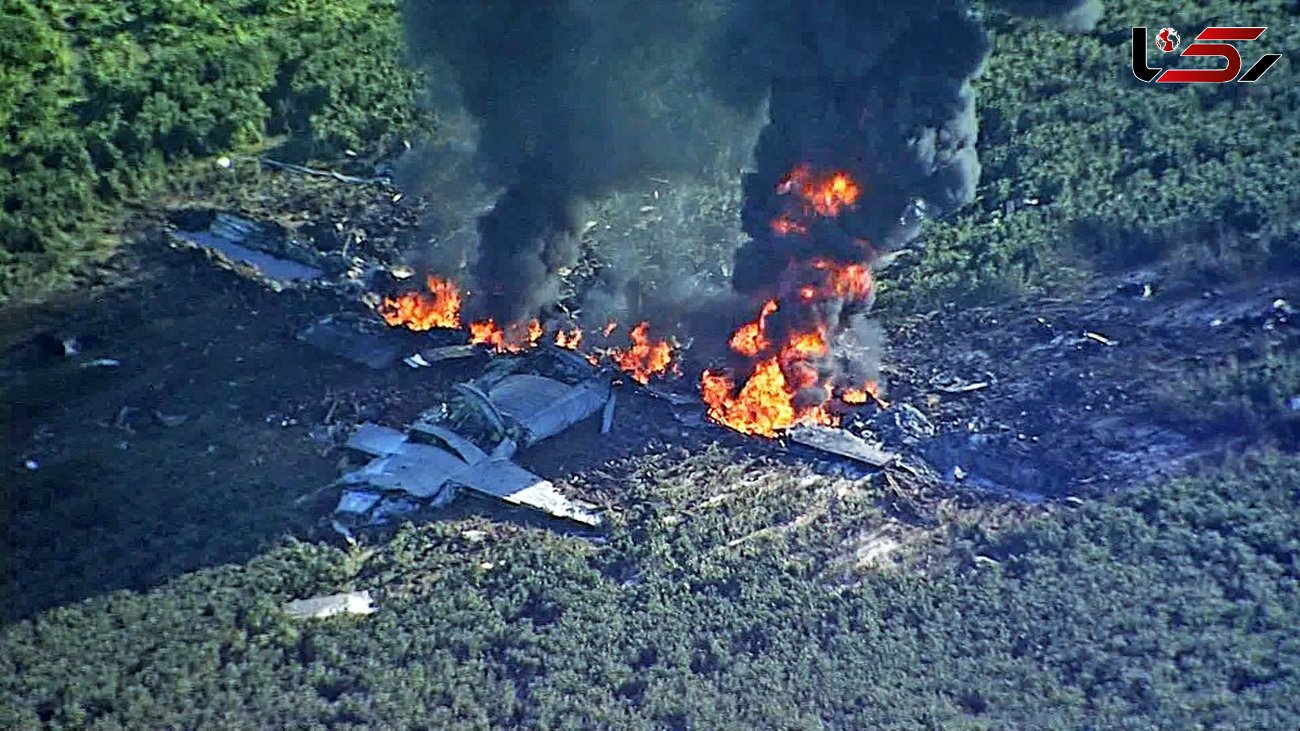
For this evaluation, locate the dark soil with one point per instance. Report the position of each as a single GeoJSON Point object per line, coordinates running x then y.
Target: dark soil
{"type": "Point", "coordinates": [218, 432]}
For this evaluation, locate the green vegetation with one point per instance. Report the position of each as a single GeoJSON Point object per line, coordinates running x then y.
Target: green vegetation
{"type": "Point", "coordinates": [1172, 607]}
{"type": "Point", "coordinates": [1084, 165]}
{"type": "Point", "coordinates": [1247, 395]}
{"type": "Point", "coordinates": [99, 101]}
{"type": "Point", "coordinates": [728, 594]}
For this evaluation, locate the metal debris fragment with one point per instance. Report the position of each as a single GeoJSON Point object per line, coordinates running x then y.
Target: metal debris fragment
{"type": "Point", "coordinates": [356, 502]}
{"type": "Point", "coordinates": [170, 420]}
{"type": "Point", "coordinates": [429, 356]}
{"type": "Point", "coordinates": [963, 387]}
{"type": "Point", "coordinates": [360, 341]}
{"type": "Point", "coordinates": [841, 443]}
{"type": "Point", "coordinates": [607, 416]}
{"type": "Point", "coordinates": [1098, 337]}
{"type": "Point", "coordinates": [240, 243]}
{"type": "Point", "coordinates": [323, 607]}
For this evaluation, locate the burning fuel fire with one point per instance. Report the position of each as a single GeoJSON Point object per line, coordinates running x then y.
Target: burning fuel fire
{"type": "Point", "coordinates": [440, 307]}
{"type": "Point", "coordinates": [784, 349]}
{"type": "Point", "coordinates": [420, 311]}
{"type": "Point", "coordinates": [784, 385]}
{"type": "Point", "coordinates": [514, 338]}
{"type": "Point", "coordinates": [645, 357]}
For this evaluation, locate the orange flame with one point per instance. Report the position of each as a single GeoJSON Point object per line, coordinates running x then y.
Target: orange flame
{"type": "Point", "coordinates": [869, 391]}
{"type": "Point", "coordinates": [764, 406]}
{"type": "Point", "coordinates": [420, 311]}
{"type": "Point", "coordinates": [441, 307]}
{"type": "Point", "coordinates": [766, 403]}
{"type": "Point", "coordinates": [570, 339]}
{"type": "Point", "coordinates": [769, 400]}
{"type": "Point", "coordinates": [847, 281]}
{"type": "Point", "coordinates": [749, 340]}
{"type": "Point", "coordinates": [783, 226]}
{"type": "Point", "coordinates": [515, 338]}
{"type": "Point", "coordinates": [826, 195]}
{"type": "Point", "coordinates": [644, 357]}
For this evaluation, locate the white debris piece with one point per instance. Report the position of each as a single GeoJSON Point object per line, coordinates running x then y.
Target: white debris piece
{"type": "Point", "coordinates": [416, 361]}
{"type": "Point", "coordinates": [322, 607]}
{"type": "Point", "coordinates": [356, 502]}
{"type": "Point", "coordinates": [607, 416]}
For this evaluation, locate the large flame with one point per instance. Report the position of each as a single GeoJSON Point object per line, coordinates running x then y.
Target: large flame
{"type": "Point", "coordinates": [784, 384]}
{"type": "Point", "coordinates": [767, 403]}
{"type": "Point", "coordinates": [440, 306]}
{"type": "Point", "coordinates": [645, 357]}
{"type": "Point", "coordinates": [826, 194]}
{"type": "Point", "coordinates": [420, 311]}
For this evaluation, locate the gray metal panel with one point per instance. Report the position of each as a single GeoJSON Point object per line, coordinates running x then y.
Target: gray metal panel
{"type": "Point", "coordinates": [416, 469]}
{"type": "Point", "coordinates": [509, 482]}
{"type": "Point", "coordinates": [545, 407]}
{"type": "Point", "coordinates": [469, 451]}
{"type": "Point", "coordinates": [376, 440]}
{"type": "Point", "coordinates": [841, 443]}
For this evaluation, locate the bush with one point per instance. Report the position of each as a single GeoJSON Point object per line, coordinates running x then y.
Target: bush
{"type": "Point", "coordinates": [99, 100]}
{"type": "Point", "coordinates": [1086, 166]}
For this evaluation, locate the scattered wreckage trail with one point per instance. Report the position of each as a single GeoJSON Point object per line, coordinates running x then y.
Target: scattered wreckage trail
{"type": "Point", "coordinates": [1061, 410]}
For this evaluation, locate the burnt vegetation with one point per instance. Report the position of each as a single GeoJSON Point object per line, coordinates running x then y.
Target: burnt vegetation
{"type": "Point", "coordinates": [732, 590]}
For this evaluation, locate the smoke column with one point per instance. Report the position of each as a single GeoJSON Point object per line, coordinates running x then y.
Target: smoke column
{"type": "Point", "coordinates": [573, 98]}
{"type": "Point", "coordinates": [876, 91]}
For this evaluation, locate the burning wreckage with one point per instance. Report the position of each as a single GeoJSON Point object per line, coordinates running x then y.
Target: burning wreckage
{"type": "Point", "coordinates": [866, 135]}
{"type": "Point", "coordinates": [540, 382]}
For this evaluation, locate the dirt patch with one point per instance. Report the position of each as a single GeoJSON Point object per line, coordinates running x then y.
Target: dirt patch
{"type": "Point", "coordinates": [1068, 397]}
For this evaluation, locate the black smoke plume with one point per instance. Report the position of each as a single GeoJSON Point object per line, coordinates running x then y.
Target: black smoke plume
{"type": "Point", "coordinates": [573, 98]}
{"type": "Point", "coordinates": [880, 91]}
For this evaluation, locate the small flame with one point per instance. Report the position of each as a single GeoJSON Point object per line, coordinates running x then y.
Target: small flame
{"type": "Point", "coordinates": [514, 338]}
{"type": "Point", "coordinates": [870, 391]}
{"type": "Point", "coordinates": [644, 357]}
{"type": "Point", "coordinates": [847, 281]}
{"type": "Point", "coordinates": [420, 311]}
{"type": "Point", "coordinates": [783, 226]}
{"type": "Point", "coordinates": [570, 339]}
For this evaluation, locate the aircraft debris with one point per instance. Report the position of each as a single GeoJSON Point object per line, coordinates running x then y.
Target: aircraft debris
{"type": "Point", "coordinates": [840, 443]}
{"type": "Point", "coordinates": [240, 243]}
{"type": "Point", "coordinates": [323, 607]}
{"type": "Point", "coordinates": [429, 356]}
{"type": "Point", "coordinates": [467, 442]}
{"type": "Point", "coordinates": [962, 387]}
{"type": "Point", "coordinates": [357, 340]}
{"type": "Point", "coordinates": [607, 416]}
